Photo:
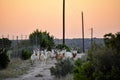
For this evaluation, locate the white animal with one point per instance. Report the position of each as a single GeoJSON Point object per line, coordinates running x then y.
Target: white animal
{"type": "Point", "coordinates": [68, 55]}
{"type": "Point", "coordinates": [71, 54]}
{"type": "Point", "coordinates": [38, 54]}
{"type": "Point", "coordinates": [42, 57]}
{"type": "Point", "coordinates": [47, 55]}
{"type": "Point", "coordinates": [74, 53]}
{"type": "Point", "coordinates": [52, 54]}
{"type": "Point", "coordinates": [34, 56]}
{"type": "Point", "coordinates": [59, 55]}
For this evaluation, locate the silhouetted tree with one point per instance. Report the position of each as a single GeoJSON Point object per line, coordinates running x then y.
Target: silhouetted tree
{"type": "Point", "coordinates": [42, 38]}
{"type": "Point", "coordinates": [63, 46]}
{"type": "Point", "coordinates": [4, 59]}
{"type": "Point", "coordinates": [113, 41]}
{"type": "Point", "coordinates": [5, 43]}
{"type": "Point", "coordinates": [102, 61]}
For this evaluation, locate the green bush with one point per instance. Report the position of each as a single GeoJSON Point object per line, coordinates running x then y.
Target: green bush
{"type": "Point", "coordinates": [62, 68]}
{"type": "Point", "coordinates": [44, 39]}
{"type": "Point", "coordinates": [103, 61]}
{"type": "Point", "coordinates": [26, 54]}
{"type": "Point", "coordinates": [62, 46]}
{"type": "Point", "coordinates": [5, 43]}
{"type": "Point", "coordinates": [83, 70]}
{"type": "Point", "coordinates": [4, 59]}
{"type": "Point", "coordinates": [102, 64]}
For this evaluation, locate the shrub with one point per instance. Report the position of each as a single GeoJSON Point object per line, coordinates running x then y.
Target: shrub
{"type": "Point", "coordinates": [26, 54]}
{"type": "Point", "coordinates": [102, 64]}
{"type": "Point", "coordinates": [62, 68]}
{"type": "Point", "coordinates": [103, 61]}
{"type": "Point", "coordinates": [5, 43]}
{"type": "Point", "coordinates": [4, 59]}
{"type": "Point", "coordinates": [62, 46]}
{"type": "Point", "coordinates": [83, 70]}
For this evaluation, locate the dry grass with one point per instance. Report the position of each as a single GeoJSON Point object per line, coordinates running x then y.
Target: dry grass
{"type": "Point", "coordinates": [15, 68]}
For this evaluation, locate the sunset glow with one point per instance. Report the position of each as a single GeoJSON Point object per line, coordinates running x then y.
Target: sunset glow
{"type": "Point", "coordinates": [24, 16]}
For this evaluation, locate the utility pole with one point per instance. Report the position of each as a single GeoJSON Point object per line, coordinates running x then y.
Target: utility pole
{"type": "Point", "coordinates": [17, 47]}
{"type": "Point", "coordinates": [63, 22]}
{"type": "Point", "coordinates": [91, 37]}
{"type": "Point", "coordinates": [83, 50]}
{"type": "Point", "coordinates": [13, 45]}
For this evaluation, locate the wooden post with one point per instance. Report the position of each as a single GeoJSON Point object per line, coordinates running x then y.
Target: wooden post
{"type": "Point", "coordinates": [83, 50]}
{"type": "Point", "coordinates": [91, 37]}
{"type": "Point", "coordinates": [17, 47]}
{"type": "Point", "coordinates": [63, 21]}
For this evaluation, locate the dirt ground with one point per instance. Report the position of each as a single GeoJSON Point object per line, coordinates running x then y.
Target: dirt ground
{"type": "Point", "coordinates": [39, 71]}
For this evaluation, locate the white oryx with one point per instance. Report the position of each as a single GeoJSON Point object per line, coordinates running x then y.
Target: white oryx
{"type": "Point", "coordinates": [34, 56]}
{"type": "Point", "coordinates": [42, 57]}
{"type": "Point", "coordinates": [66, 54]}
{"type": "Point", "coordinates": [45, 55]}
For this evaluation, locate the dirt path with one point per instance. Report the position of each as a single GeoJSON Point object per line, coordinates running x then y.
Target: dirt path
{"type": "Point", "coordinates": [38, 71]}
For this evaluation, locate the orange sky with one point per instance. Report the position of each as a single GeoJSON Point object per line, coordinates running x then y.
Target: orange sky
{"type": "Point", "coordinates": [24, 16]}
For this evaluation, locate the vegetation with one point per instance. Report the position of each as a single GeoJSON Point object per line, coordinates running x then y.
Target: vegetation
{"type": "Point", "coordinates": [5, 43]}
{"type": "Point", "coordinates": [4, 59]}
{"type": "Point", "coordinates": [62, 68]}
{"type": "Point", "coordinates": [102, 61]}
{"type": "Point", "coordinates": [62, 46]}
{"type": "Point", "coordinates": [83, 71]}
{"type": "Point", "coordinates": [26, 54]}
{"type": "Point", "coordinates": [15, 68]}
{"type": "Point", "coordinates": [113, 41]}
{"type": "Point", "coordinates": [23, 44]}
{"type": "Point", "coordinates": [42, 39]}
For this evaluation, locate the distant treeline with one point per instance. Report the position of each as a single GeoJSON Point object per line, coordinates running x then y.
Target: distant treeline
{"type": "Point", "coordinates": [77, 42]}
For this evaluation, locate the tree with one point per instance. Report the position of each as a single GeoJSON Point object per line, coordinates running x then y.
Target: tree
{"type": "Point", "coordinates": [4, 59]}
{"type": "Point", "coordinates": [113, 41]}
{"type": "Point", "coordinates": [5, 43]}
{"type": "Point", "coordinates": [102, 61]}
{"type": "Point", "coordinates": [42, 38]}
{"type": "Point", "coordinates": [26, 54]}
{"type": "Point", "coordinates": [83, 70]}
{"type": "Point", "coordinates": [63, 46]}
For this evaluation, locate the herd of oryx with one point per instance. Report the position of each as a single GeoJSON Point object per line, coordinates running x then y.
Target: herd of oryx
{"type": "Point", "coordinates": [44, 55]}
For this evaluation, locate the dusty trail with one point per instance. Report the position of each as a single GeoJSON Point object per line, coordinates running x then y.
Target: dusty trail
{"type": "Point", "coordinates": [38, 71]}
